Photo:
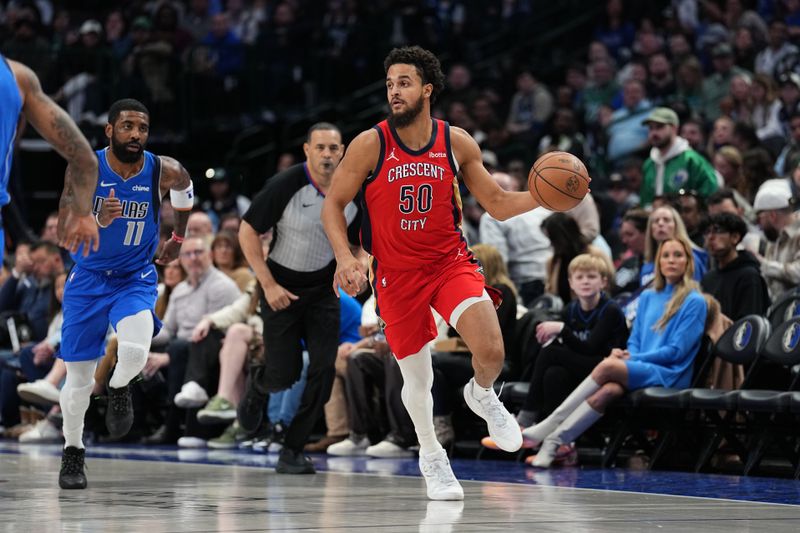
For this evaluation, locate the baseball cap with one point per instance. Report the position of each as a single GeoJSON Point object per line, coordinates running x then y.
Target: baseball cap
{"type": "Point", "coordinates": [141, 22]}
{"type": "Point", "coordinates": [662, 115]}
{"type": "Point", "coordinates": [786, 78]}
{"type": "Point", "coordinates": [773, 194]}
{"type": "Point", "coordinates": [91, 26]}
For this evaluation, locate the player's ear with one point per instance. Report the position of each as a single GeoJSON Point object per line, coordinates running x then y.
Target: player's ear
{"type": "Point", "coordinates": [109, 130]}
{"type": "Point", "coordinates": [427, 89]}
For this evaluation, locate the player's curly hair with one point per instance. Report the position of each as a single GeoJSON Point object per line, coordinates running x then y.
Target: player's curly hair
{"type": "Point", "coordinates": [427, 64]}
{"type": "Point", "coordinates": [126, 104]}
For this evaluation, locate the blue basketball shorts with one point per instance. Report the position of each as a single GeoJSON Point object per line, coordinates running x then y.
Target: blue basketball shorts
{"type": "Point", "coordinates": [93, 300]}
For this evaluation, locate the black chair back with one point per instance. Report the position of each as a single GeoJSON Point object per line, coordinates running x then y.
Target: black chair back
{"type": "Point", "coordinates": [786, 307]}
{"type": "Point", "coordinates": [547, 302]}
{"type": "Point", "coordinates": [783, 346]}
{"type": "Point", "coordinates": [742, 343]}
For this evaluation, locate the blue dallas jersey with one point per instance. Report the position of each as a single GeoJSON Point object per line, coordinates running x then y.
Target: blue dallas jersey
{"type": "Point", "coordinates": [10, 107]}
{"type": "Point", "coordinates": [130, 241]}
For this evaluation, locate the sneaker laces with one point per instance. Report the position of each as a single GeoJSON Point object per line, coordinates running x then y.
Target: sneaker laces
{"type": "Point", "coordinates": [494, 409]}
{"type": "Point", "coordinates": [439, 469]}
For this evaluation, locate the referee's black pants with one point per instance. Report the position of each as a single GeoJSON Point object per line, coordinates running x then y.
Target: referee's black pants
{"type": "Point", "coordinates": [313, 317]}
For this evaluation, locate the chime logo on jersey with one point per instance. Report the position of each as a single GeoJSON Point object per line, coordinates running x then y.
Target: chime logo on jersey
{"type": "Point", "coordinates": [130, 209]}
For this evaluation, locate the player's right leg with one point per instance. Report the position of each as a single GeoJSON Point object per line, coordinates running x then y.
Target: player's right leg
{"type": "Point", "coordinates": [85, 309]}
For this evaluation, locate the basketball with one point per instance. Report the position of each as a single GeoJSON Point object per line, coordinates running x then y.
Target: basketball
{"type": "Point", "coordinates": [558, 181]}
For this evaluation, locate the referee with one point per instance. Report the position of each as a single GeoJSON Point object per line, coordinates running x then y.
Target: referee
{"type": "Point", "coordinates": [298, 303]}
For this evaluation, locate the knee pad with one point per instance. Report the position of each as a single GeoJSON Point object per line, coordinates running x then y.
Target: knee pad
{"type": "Point", "coordinates": [131, 358]}
{"type": "Point", "coordinates": [75, 400]}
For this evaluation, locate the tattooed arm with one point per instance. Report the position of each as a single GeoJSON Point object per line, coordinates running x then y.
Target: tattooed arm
{"type": "Point", "coordinates": [76, 221]}
{"type": "Point", "coordinates": [173, 177]}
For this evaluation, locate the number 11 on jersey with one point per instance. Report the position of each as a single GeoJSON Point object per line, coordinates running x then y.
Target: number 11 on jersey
{"type": "Point", "coordinates": [136, 228]}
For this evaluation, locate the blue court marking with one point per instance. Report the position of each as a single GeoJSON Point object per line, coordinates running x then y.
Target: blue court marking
{"type": "Point", "coordinates": [753, 489]}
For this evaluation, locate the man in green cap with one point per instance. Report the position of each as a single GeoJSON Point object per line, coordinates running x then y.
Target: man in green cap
{"type": "Point", "coordinates": [672, 164]}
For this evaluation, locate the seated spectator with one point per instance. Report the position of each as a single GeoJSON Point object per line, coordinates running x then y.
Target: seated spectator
{"type": "Point", "coordinates": [32, 362]}
{"type": "Point", "coordinates": [736, 281]}
{"type": "Point", "coordinates": [562, 134]}
{"type": "Point", "coordinates": [29, 290]}
{"type": "Point", "coordinates": [452, 370]}
{"type": "Point", "coordinates": [729, 163]}
{"type": "Point", "coordinates": [627, 135]}
{"type": "Point", "coordinates": [665, 223]}
{"type": "Point", "coordinates": [204, 291]}
{"type": "Point", "coordinates": [633, 233]}
{"type": "Point", "coordinates": [780, 264]}
{"type": "Point", "coordinates": [693, 213]}
{"type": "Point", "coordinates": [224, 199]}
{"type": "Point", "coordinates": [531, 106]}
{"type": "Point", "coordinates": [567, 242]}
{"type": "Point", "coordinates": [229, 259]}
{"type": "Point", "coordinates": [591, 325]}
{"type": "Point", "coordinates": [727, 201]}
{"type": "Point", "coordinates": [200, 225]}
{"type": "Point", "coordinates": [665, 338]}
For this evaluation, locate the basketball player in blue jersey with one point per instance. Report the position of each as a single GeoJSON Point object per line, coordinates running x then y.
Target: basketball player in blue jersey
{"type": "Point", "coordinates": [22, 99]}
{"type": "Point", "coordinates": [117, 284]}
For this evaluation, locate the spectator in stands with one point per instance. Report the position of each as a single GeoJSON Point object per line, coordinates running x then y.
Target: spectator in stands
{"type": "Point", "coordinates": [627, 134]}
{"type": "Point", "coordinates": [27, 43]}
{"type": "Point", "coordinates": [228, 258]}
{"type": "Point", "coordinates": [745, 48]}
{"type": "Point", "coordinates": [601, 90]}
{"type": "Point", "coordinates": [567, 242]}
{"type": "Point", "coordinates": [790, 155]}
{"type": "Point", "coordinates": [665, 223]}
{"type": "Point", "coordinates": [721, 134]}
{"type": "Point", "coordinates": [225, 48]}
{"type": "Point", "coordinates": [633, 233]}
{"type": "Point", "coordinates": [458, 87]}
{"type": "Point", "coordinates": [167, 28]}
{"type": "Point", "coordinates": [736, 280]}
{"type": "Point", "coordinates": [116, 34]}
{"type": "Point", "coordinates": [778, 48]}
{"type": "Point", "coordinates": [616, 32]}
{"type": "Point", "coordinates": [717, 85]}
{"type": "Point", "coordinates": [224, 198]}
{"type": "Point", "coordinates": [727, 201]}
{"type": "Point", "coordinates": [204, 291]}
{"type": "Point", "coordinates": [29, 289]}
{"type": "Point", "coordinates": [672, 164]}
{"type": "Point", "coordinates": [689, 78]}
{"type": "Point", "coordinates": [200, 225]}
{"type": "Point", "coordinates": [661, 85]}
{"type": "Point", "coordinates": [789, 96]}
{"type": "Point", "coordinates": [730, 165]}
{"type": "Point", "coordinates": [662, 345]}
{"type": "Point", "coordinates": [780, 264]}
{"type": "Point", "coordinates": [694, 131]}
{"type": "Point", "coordinates": [591, 325]}
{"type": "Point", "coordinates": [692, 209]}
{"type": "Point", "coordinates": [531, 106]}
{"type": "Point", "coordinates": [562, 134]}
{"type": "Point", "coordinates": [766, 109]}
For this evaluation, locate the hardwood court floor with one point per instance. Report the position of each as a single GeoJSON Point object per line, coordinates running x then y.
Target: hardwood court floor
{"type": "Point", "coordinates": [160, 490]}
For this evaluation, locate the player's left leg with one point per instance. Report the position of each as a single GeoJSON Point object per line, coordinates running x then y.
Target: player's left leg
{"type": "Point", "coordinates": [74, 399]}
{"type": "Point", "coordinates": [134, 334]}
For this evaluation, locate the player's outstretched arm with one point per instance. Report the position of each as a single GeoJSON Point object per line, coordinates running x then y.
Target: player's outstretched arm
{"type": "Point", "coordinates": [175, 180]}
{"type": "Point", "coordinates": [500, 204]}
{"type": "Point", "coordinates": [358, 162]}
{"type": "Point", "coordinates": [76, 224]}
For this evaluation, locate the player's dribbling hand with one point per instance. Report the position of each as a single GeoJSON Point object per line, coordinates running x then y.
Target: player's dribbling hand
{"type": "Point", "coordinates": [76, 231]}
{"type": "Point", "coordinates": [169, 252]}
{"type": "Point", "coordinates": [277, 297]}
{"type": "Point", "coordinates": [349, 276]}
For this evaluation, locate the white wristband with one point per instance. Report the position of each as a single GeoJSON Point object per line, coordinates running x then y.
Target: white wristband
{"type": "Point", "coordinates": [97, 219]}
{"type": "Point", "coordinates": [182, 200]}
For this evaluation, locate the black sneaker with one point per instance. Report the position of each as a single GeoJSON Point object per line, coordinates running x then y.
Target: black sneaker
{"type": "Point", "coordinates": [119, 412]}
{"type": "Point", "coordinates": [250, 411]}
{"type": "Point", "coordinates": [72, 475]}
{"type": "Point", "coordinates": [292, 462]}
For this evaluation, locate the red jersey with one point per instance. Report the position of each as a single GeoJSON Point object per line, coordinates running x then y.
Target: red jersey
{"type": "Point", "coordinates": [412, 207]}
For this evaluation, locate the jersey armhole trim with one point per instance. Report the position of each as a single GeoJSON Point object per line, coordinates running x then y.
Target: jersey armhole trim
{"type": "Point", "coordinates": [450, 157]}
{"type": "Point", "coordinates": [156, 187]}
{"type": "Point", "coordinates": [381, 155]}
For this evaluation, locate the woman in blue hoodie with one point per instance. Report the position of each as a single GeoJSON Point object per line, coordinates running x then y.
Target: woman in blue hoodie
{"type": "Point", "coordinates": [666, 336]}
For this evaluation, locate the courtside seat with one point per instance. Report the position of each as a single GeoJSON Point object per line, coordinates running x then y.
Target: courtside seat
{"type": "Point", "coordinates": [786, 307]}
{"type": "Point", "coordinates": [763, 400]}
{"type": "Point", "coordinates": [664, 397]}
{"type": "Point", "coordinates": [794, 402]}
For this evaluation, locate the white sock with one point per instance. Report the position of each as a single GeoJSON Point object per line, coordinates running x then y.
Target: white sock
{"type": "Point", "coordinates": [417, 373]}
{"type": "Point", "coordinates": [479, 392]}
{"type": "Point", "coordinates": [540, 431]}
{"type": "Point", "coordinates": [74, 400]}
{"type": "Point", "coordinates": [134, 334]}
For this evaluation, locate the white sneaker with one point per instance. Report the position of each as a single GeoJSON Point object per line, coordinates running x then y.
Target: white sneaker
{"type": "Point", "coordinates": [191, 442]}
{"type": "Point", "coordinates": [503, 427]}
{"type": "Point", "coordinates": [349, 447]}
{"type": "Point", "coordinates": [40, 392]}
{"type": "Point", "coordinates": [442, 483]}
{"type": "Point", "coordinates": [43, 431]}
{"type": "Point", "coordinates": [387, 449]}
{"type": "Point", "coordinates": [191, 395]}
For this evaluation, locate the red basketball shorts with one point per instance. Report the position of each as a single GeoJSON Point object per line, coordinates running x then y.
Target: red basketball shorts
{"type": "Point", "coordinates": [403, 299]}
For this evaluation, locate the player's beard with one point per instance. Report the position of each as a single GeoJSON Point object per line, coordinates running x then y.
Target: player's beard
{"type": "Point", "coordinates": [122, 153]}
{"type": "Point", "coordinates": [406, 118]}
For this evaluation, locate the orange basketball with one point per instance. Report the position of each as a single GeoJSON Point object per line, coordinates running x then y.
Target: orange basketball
{"type": "Point", "coordinates": [558, 181]}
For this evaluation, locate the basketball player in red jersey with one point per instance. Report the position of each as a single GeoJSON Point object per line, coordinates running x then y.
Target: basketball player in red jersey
{"type": "Point", "coordinates": [406, 167]}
